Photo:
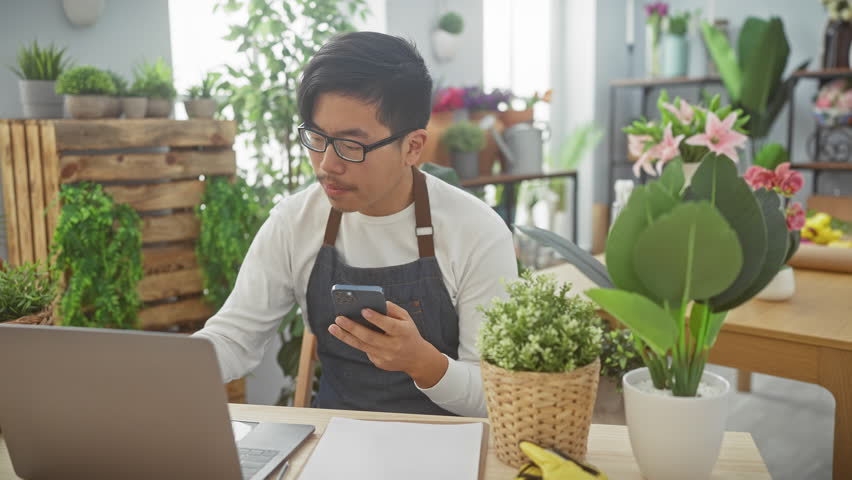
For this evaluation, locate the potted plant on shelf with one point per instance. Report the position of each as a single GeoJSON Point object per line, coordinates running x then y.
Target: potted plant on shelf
{"type": "Point", "coordinates": [687, 132]}
{"type": "Point", "coordinates": [464, 140]}
{"type": "Point", "coordinates": [618, 356]}
{"type": "Point", "coordinates": [833, 104]}
{"type": "Point", "coordinates": [156, 82]}
{"type": "Point", "coordinates": [676, 45]}
{"type": "Point", "coordinates": [446, 39]}
{"type": "Point", "coordinates": [86, 91]}
{"type": "Point", "coordinates": [37, 71]}
{"type": "Point", "coordinates": [656, 13]}
{"type": "Point", "coordinates": [200, 102]}
{"type": "Point", "coordinates": [27, 292]}
{"type": "Point", "coordinates": [540, 367]}
{"type": "Point", "coordinates": [134, 103]}
{"type": "Point", "coordinates": [680, 257]}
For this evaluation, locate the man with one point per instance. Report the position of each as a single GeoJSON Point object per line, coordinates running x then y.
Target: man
{"type": "Point", "coordinates": [365, 100]}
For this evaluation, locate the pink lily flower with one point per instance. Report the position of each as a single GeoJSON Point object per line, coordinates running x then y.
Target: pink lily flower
{"type": "Point", "coordinates": [684, 114]}
{"type": "Point", "coordinates": [788, 181]}
{"type": "Point", "coordinates": [669, 148]}
{"type": "Point", "coordinates": [795, 217]}
{"type": "Point", "coordinates": [645, 160]}
{"type": "Point", "coordinates": [719, 136]}
{"type": "Point", "coordinates": [636, 144]}
{"type": "Point", "coordinates": [758, 177]}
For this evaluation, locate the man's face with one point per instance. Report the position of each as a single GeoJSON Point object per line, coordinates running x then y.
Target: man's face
{"type": "Point", "coordinates": [376, 186]}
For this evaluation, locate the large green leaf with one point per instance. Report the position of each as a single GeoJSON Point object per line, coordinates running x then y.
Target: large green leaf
{"type": "Point", "coordinates": [585, 262]}
{"type": "Point", "coordinates": [777, 243]}
{"type": "Point", "coordinates": [717, 181]}
{"type": "Point", "coordinates": [763, 56]}
{"type": "Point", "coordinates": [725, 59]}
{"type": "Point", "coordinates": [795, 238]}
{"type": "Point", "coordinates": [714, 320]}
{"type": "Point", "coordinates": [649, 321]}
{"type": "Point", "coordinates": [646, 203]}
{"type": "Point", "coordinates": [672, 179]}
{"type": "Point", "coordinates": [689, 253]}
{"type": "Point", "coordinates": [761, 123]}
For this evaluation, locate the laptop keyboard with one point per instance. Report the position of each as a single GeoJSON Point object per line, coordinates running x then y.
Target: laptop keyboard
{"type": "Point", "coordinates": [253, 459]}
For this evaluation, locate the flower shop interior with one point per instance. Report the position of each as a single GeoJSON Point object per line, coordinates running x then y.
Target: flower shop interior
{"type": "Point", "coordinates": [674, 179]}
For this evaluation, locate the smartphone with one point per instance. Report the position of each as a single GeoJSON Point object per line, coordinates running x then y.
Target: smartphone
{"type": "Point", "coordinates": [349, 300]}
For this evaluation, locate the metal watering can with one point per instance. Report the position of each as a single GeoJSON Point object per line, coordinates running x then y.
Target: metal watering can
{"type": "Point", "coordinates": [522, 144]}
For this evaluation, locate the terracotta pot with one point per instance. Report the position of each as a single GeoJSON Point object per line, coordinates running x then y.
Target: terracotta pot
{"type": "Point", "coordinates": [491, 153]}
{"type": "Point", "coordinates": [434, 151]}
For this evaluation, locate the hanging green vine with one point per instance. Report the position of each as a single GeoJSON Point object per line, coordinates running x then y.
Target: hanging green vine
{"type": "Point", "coordinates": [230, 216]}
{"type": "Point", "coordinates": [98, 245]}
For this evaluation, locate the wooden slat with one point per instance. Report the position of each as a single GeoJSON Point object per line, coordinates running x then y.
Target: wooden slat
{"type": "Point", "coordinates": [22, 194]}
{"type": "Point", "coordinates": [50, 164]}
{"type": "Point", "coordinates": [10, 208]}
{"type": "Point", "coordinates": [147, 132]}
{"type": "Point", "coordinates": [147, 166]}
{"type": "Point", "coordinates": [172, 284]}
{"type": "Point", "coordinates": [836, 206]}
{"type": "Point", "coordinates": [158, 196]}
{"type": "Point", "coordinates": [39, 218]}
{"type": "Point", "coordinates": [170, 228]}
{"type": "Point", "coordinates": [164, 316]}
{"type": "Point", "coordinates": [157, 260]}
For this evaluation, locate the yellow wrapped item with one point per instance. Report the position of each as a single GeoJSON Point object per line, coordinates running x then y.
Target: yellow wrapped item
{"type": "Point", "coordinates": [549, 465]}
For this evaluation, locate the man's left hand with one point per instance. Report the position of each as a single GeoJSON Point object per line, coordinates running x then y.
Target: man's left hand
{"type": "Point", "coordinates": [399, 349]}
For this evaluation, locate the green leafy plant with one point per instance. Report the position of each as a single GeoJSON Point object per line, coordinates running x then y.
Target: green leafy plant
{"type": "Point", "coordinates": [25, 290]}
{"type": "Point", "coordinates": [680, 258]}
{"type": "Point", "coordinates": [677, 24]}
{"type": "Point", "coordinates": [230, 216]}
{"type": "Point", "coordinates": [771, 155]}
{"type": "Point", "coordinates": [120, 83]}
{"type": "Point", "coordinates": [446, 174]}
{"type": "Point", "coordinates": [85, 80]}
{"type": "Point", "coordinates": [451, 22]}
{"type": "Point", "coordinates": [463, 137]}
{"type": "Point", "coordinates": [540, 328]}
{"type": "Point", "coordinates": [98, 247]}
{"type": "Point", "coordinates": [753, 73]}
{"type": "Point", "coordinates": [208, 87]}
{"type": "Point", "coordinates": [618, 354]}
{"type": "Point", "coordinates": [40, 63]}
{"type": "Point", "coordinates": [154, 80]}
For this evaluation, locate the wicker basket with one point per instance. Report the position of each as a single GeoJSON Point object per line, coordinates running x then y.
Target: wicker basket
{"type": "Point", "coordinates": [553, 410]}
{"type": "Point", "coordinates": [44, 317]}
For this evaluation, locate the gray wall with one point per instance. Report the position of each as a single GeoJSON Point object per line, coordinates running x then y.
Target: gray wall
{"type": "Point", "coordinates": [415, 20]}
{"type": "Point", "coordinates": [127, 32]}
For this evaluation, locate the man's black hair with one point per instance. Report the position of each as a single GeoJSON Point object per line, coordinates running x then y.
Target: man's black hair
{"type": "Point", "coordinates": [373, 67]}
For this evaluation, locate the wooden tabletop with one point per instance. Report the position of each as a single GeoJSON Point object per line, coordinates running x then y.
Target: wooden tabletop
{"type": "Point", "coordinates": [609, 446]}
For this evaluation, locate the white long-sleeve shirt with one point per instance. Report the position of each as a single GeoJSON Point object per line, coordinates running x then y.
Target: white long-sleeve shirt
{"type": "Point", "coordinates": [473, 246]}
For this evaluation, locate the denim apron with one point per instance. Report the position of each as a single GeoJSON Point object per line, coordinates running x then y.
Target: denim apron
{"type": "Point", "coordinates": [349, 379]}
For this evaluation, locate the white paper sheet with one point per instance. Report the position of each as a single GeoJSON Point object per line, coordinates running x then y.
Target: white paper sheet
{"type": "Point", "coordinates": [371, 450]}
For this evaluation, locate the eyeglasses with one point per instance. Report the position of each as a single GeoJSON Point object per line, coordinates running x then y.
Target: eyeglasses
{"type": "Point", "coordinates": [349, 150]}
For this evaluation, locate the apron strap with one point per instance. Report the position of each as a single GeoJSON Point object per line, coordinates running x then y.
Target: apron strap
{"type": "Point", "coordinates": [422, 214]}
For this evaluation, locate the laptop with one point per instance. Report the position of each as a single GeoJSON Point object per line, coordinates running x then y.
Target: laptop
{"type": "Point", "coordinates": [96, 403]}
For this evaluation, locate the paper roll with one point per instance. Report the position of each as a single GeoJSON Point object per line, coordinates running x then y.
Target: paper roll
{"type": "Point", "coordinates": [818, 257]}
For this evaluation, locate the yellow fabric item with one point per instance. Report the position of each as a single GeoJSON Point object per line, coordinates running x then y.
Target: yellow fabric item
{"type": "Point", "coordinates": [549, 465]}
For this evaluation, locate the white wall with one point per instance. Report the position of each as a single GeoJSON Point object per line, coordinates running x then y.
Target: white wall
{"type": "Point", "coordinates": [127, 32]}
{"type": "Point", "coordinates": [415, 20]}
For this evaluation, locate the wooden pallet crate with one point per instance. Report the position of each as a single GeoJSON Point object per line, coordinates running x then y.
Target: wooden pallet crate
{"type": "Point", "coordinates": [157, 166]}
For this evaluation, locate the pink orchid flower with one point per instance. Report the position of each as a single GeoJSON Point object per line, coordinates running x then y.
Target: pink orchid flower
{"type": "Point", "coordinates": [795, 217]}
{"type": "Point", "coordinates": [669, 148]}
{"type": "Point", "coordinates": [788, 181]}
{"type": "Point", "coordinates": [645, 160]}
{"type": "Point", "coordinates": [758, 177]}
{"type": "Point", "coordinates": [719, 136]}
{"type": "Point", "coordinates": [684, 114]}
{"type": "Point", "coordinates": [636, 144]}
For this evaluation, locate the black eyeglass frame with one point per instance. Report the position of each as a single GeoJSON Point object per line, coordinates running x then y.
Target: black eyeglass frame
{"type": "Point", "coordinates": [329, 140]}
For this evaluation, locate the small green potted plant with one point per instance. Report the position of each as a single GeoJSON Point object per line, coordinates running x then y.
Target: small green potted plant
{"type": "Point", "coordinates": [539, 350]}
{"type": "Point", "coordinates": [446, 39]}
{"type": "Point", "coordinates": [134, 103]}
{"type": "Point", "coordinates": [676, 44]}
{"type": "Point", "coordinates": [464, 141]}
{"type": "Point", "coordinates": [200, 102]}
{"type": "Point", "coordinates": [86, 91]}
{"type": "Point", "coordinates": [37, 71]}
{"type": "Point", "coordinates": [155, 80]}
{"type": "Point", "coordinates": [618, 356]}
{"type": "Point", "coordinates": [26, 294]}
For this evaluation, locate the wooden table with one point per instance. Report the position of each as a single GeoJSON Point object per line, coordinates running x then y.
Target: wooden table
{"type": "Point", "coordinates": [808, 338]}
{"type": "Point", "coordinates": [609, 447]}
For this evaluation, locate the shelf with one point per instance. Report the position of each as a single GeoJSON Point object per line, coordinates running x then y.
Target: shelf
{"type": "Point", "coordinates": [829, 73]}
{"type": "Point", "coordinates": [663, 82]}
{"type": "Point", "coordinates": [843, 166]}
{"type": "Point", "coordinates": [503, 179]}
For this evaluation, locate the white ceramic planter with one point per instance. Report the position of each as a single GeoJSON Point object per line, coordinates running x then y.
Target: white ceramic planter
{"type": "Point", "coordinates": [781, 288]}
{"type": "Point", "coordinates": [445, 44]}
{"type": "Point", "coordinates": [675, 438]}
{"type": "Point", "coordinates": [689, 170]}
